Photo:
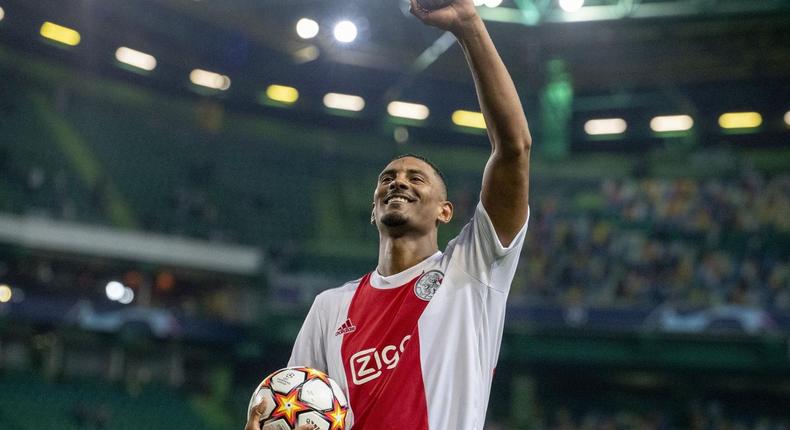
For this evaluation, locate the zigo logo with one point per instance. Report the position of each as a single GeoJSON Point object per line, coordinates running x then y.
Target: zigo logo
{"type": "Point", "coordinates": [368, 364]}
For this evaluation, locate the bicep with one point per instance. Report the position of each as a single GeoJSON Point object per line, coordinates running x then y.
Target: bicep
{"type": "Point", "coordinates": [505, 193]}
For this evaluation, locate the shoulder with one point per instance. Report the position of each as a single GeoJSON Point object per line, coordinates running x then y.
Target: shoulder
{"type": "Point", "coordinates": [338, 294]}
{"type": "Point", "coordinates": [480, 230]}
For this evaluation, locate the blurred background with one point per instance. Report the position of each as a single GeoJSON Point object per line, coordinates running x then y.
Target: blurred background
{"type": "Point", "coordinates": [179, 178]}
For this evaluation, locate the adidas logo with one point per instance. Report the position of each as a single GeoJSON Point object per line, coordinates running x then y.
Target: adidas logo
{"type": "Point", "coordinates": [347, 327]}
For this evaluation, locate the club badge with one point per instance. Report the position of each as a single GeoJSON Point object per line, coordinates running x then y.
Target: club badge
{"type": "Point", "coordinates": [429, 282]}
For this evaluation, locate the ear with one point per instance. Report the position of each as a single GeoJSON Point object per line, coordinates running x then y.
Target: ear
{"type": "Point", "coordinates": [446, 213]}
{"type": "Point", "coordinates": [373, 214]}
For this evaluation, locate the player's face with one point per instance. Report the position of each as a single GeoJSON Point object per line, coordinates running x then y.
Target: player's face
{"type": "Point", "coordinates": [410, 196]}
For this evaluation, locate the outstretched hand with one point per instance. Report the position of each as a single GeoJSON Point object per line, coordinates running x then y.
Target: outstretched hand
{"type": "Point", "coordinates": [452, 18]}
{"type": "Point", "coordinates": [257, 411]}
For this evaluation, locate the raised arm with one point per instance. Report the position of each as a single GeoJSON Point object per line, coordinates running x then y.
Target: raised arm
{"type": "Point", "coordinates": [506, 178]}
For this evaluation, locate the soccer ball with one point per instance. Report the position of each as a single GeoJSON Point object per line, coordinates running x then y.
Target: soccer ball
{"type": "Point", "coordinates": [299, 396]}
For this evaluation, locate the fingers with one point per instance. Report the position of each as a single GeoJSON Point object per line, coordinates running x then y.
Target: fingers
{"type": "Point", "coordinates": [417, 10]}
{"type": "Point", "coordinates": [256, 413]}
{"type": "Point", "coordinates": [258, 410]}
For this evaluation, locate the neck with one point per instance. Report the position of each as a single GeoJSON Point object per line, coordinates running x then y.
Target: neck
{"type": "Point", "coordinates": [397, 254]}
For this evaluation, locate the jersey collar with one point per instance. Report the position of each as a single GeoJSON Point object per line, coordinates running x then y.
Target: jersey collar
{"type": "Point", "coordinates": [398, 279]}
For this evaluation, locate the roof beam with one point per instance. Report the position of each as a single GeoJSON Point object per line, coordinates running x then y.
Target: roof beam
{"type": "Point", "coordinates": [529, 15]}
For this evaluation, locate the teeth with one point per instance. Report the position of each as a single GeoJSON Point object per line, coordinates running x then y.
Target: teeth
{"type": "Point", "coordinates": [398, 199]}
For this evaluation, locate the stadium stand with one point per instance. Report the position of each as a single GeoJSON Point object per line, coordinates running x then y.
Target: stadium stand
{"type": "Point", "coordinates": [28, 402]}
{"type": "Point", "coordinates": [640, 255]}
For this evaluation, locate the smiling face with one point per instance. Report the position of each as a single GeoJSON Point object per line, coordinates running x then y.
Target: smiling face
{"type": "Point", "coordinates": [410, 197]}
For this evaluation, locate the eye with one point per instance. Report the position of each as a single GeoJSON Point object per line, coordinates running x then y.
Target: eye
{"type": "Point", "coordinates": [385, 179]}
{"type": "Point", "coordinates": [418, 179]}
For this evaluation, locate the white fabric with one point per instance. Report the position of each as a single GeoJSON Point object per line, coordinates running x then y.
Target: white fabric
{"type": "Point", "coordinates": [460, 330]}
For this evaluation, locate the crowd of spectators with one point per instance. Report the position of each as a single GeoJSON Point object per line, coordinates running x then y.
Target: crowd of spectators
{"type": "Point", "coordinates": [749, 203]}
{"type": "Point", "coordinates": [698, 416]}
{"type": "Point", "coordinates": [635, 242]}
{"type": "Point", "coordinates": [662, 241]}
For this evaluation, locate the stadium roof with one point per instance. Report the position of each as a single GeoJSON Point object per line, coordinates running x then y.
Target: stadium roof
{"type": "Point", "coordinates": [619, 49]}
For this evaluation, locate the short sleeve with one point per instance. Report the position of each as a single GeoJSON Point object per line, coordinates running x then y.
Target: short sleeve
{"type": "Point", "coordinates": [309, 348]}
{"type": "Point", "coordinates": [478, 251]}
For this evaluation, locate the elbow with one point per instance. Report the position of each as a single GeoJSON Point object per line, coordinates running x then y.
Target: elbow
{"type": "Point", "coordinates": [525, 139]}
{"type": "Point", "coordinates": [518, 146]}
{"type": "Point", "coordinates": [526, 142]}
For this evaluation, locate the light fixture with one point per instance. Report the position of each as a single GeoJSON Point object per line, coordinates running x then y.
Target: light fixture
{"type": "Point", "coordinates": [127, 297]}
{"type": "Point", "coordinates": [114, 290]}
{"type": "Point", "coordinates": [135, 58]}
{"type": "Point", "coordinates": [401, 135]}
{"type": "Point", "coordinates": [2, 14]}
{"type": "Point", "coordinates": [59, 33]}
{"type": "Point", "coordinates": [571, 5]}
{"type": "Point", "coordinates": [466, 118]}
{"type": "Point", "coordinates": [282, 94]}
{"type": "Point", "coordinates": [344, 102]}
{"type": "Point", "coordinates": [608, 126]}
{"type": "Point", "coordinates": [307, 54]}
{"type": "Point", "coordinates": [345, 31]}
{"type": "Point", "coordinates": [664, 124]}
{"type": "Point", "coordinates": [306, 28]}
{"type": "Point", "coordinates": [6, 293]}
{"type": "Point", "coordinates": [207, 79]}
{"type": "Point", "coordinates": [736, 120]}
{"type": "Point", "coordinates": [787, 118]}
{"type": "Point", "coordinates": [408, 110]}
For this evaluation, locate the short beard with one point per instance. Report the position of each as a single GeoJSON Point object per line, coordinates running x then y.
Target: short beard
{"type": "Point", "coordinates": [394, 220]}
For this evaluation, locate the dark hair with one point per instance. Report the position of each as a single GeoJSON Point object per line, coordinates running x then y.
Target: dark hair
{"type": "Point", "coordinates": [428, 162]}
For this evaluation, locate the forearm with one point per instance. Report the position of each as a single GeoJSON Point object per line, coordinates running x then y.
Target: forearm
{"type": "Point", "coordinates": [496, 92]}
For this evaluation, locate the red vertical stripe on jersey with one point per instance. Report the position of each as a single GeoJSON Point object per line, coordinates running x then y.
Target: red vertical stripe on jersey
{"type": "Point", "coordinates": [382, 358]}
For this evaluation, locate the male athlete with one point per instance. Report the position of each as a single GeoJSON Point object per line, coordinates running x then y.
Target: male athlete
{"type": "Point", "coordinates": [415, 342]}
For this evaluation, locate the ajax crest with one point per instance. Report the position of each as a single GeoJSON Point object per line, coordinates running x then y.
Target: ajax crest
{"type": "Point", "coordinates": [428, 283]}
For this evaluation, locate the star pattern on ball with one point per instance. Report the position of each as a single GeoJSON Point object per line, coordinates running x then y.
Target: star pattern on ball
{"type": "Point", "coordinates": [313, 373]}
{"type": "Point", "coordinates": [337, 416]}
{"type": "Point", "coordinates": [288, 406]}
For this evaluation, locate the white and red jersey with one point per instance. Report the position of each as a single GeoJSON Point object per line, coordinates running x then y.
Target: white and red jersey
{"type": "Point", "coordinates": [417, 350]}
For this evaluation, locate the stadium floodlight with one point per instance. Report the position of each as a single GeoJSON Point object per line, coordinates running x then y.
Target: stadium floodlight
{"type": "Point", "coordinates": [401, 134]}
{"type": "Point", "coordinates": [307, 54]}
{"type": "Point", "coordinates": [607, 126]}
{"type": "Point", "coordinates": [135, 58]}
{"type": "Point", "coordinates": [207, 79]}
{"type": "Point", "coordinates": [282, 94]}
{"type": "Point", "coordinates": [465, 118]}
{"type": "Point", "coordinates": [571, 5]}
{"type": "Point", "coordinates": [6, 293]}
{"type": "Point", "coordinates": [740, 120]}
{"type": "Point", "coordinates": [346, 31]}
{"type": "Point", "coordinates": [787, 118]}
{"type": "Point", "coordinates": [408, 110]}
{"type": "Point", "coordinates": [60, 34]}
{"type": "Point", "coordinates": [664, 124]}
{"type": "Point", "coordinates": [306, 28]}
{"type": "Point", "coordinates": [127, 297]}
{"type": "Point", "coordinates": [346, 102]}
{"type": "Point", "coordinates": [114, 290]}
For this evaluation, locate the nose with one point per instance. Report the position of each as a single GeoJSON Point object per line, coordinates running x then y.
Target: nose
{"type": "Point", "coordinates": [398, 183]}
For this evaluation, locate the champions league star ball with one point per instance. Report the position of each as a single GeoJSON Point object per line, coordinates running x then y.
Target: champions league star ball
{"type": "Point", "coordinates": [299, 396]}
{"type": "Point", "coordinates": [433, 4]}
